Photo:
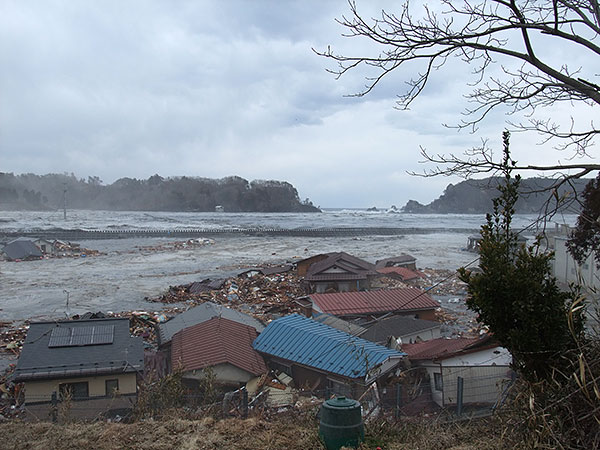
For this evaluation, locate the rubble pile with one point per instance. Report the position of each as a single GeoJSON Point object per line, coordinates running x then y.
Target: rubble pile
{"type": "Point", "coordinates": [11, 395]}
{"type": "Point", "coordinates": [176, 245]}
{"type": "Point", "coordinates": [62, 249]}
{"type": "Point", "coordinates": [383, 282]}
{"type": "Point", "coordinates": [441, 282]}
{"type": "Point", "coordinates": [12, 338]}
{"type": "Point", "coordinates": [262, 296]}
{"type": "Point", "coordinates": [144, 323]}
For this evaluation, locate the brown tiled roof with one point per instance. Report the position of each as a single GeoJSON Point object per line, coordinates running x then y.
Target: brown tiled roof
{"type": "Point", "coordinates": [369, 302]}
{"type": "Point", "coordinates": [355, 268]}
{"type": "Point", "coordinates": [442, 348]}
{"type": "Point", "coordinates": [403, 272]}
{"type": "Point", "coordinates": [400, 259]}
{"type": "Point", "coordinates": [216, 341]}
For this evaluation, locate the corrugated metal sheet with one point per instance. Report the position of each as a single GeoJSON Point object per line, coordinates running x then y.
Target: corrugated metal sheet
{"type": "Point", "coordinates": [437, 348]}
{"type": "Point", "coordinates": [370, 302]}
{"type": "Point", "coordinates": [313, 344]}
{"type": "Point", "coordinates": [216, 341]}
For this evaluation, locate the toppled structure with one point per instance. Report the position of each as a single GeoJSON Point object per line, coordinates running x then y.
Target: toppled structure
{"type": "Point", "coordinates": [321, 358]}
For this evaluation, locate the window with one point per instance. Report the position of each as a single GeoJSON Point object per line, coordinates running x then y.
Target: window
{"type": "Point", "coordinates": [112, 387]}
{"type": "Point", "coordinates": [438, 381]}
{"type": "Point", "coordinates": [76, 391]}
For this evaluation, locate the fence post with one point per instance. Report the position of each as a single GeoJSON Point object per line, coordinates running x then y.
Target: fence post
{"type": "Point", "coordinates": [459, 395]}
{"type": "Point", "coordinates": [53, 410]}
{"type": "Point", "coordinates": [398, 399]}
{"type": "Point", "coordinates": [244, 403]}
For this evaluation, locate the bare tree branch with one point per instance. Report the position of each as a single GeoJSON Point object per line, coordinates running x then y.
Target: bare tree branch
{"type": "Point", "coordinates": [476, 32]}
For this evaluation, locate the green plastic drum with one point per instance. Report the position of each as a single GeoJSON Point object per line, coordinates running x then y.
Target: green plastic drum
{"type": "Point", "coordinates": [341, 423]}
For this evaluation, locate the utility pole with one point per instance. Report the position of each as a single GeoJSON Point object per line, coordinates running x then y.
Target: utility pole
{"type": "Point", "coordinates": [65, 201]}
{"type": "Point", "coordinates": [67, 309]}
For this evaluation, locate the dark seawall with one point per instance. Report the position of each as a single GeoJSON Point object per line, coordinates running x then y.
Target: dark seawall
{"type": "Point", "coordinates": [74, 235]}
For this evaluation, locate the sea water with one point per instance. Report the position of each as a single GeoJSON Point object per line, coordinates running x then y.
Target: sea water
{"type": "Point", "coordinates": [125, 273]}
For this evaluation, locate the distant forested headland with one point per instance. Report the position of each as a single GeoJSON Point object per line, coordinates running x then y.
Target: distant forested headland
{"type": "Point", "coordinates": [231, 194]}
{"type": "Point", "coordinates": [475, 197]}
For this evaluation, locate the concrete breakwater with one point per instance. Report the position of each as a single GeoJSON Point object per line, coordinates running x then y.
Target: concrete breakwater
{"type": "Point", "coordinates": [73, 235]}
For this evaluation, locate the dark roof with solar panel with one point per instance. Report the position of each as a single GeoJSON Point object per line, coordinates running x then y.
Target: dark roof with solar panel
{"type": "Point", "coordinates": [76, 348]}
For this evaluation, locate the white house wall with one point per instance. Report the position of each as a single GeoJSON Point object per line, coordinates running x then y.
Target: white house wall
{"type": "Point", "coordinates": [497, 356]}
{"type": "Point", "coordinates": [566, 270]}
{"type": "Point", "coordinates": [425, 335]}
{"type": "Point", "coordinates": [224, 373]}
{"type": "Point", "coordinates": [484, 372]}
{"type": "Point", "coordinates": [481, 384]}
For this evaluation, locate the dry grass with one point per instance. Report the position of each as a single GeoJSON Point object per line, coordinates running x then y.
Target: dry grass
{"type": "Point", "coordinates": [250, 434]}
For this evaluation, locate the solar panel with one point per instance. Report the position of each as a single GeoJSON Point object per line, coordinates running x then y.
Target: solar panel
{"type": "Point", "coordinates": [81, 336]}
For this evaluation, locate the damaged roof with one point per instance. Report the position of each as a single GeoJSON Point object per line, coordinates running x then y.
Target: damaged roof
{"type": "Point", "coordinates": [340, 324]}
{"type": "Point", "coordinates": [372, 302]}
{"type": "Point", "coordinates": [202, 313]}
{"type": "Point", "coordinates": [404, 273]}
{"type": "Point", "coordinates": [313, 344]}
{"type": "Point", "coordinates": [217, 341]}
{"type": "Point", "coordinates": [73, 348]}
{"type": "Point", "coordinates": [397, 326]}
{"type": "Point", "coordinates": [443, 348]}
{"type": "Point", "coordinates": [402, 259]}
{"type": "Point", "coordinates": [21, 248]}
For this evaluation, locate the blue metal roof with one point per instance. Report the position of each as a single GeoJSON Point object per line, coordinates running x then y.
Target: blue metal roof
{"type": "Point", "coordinates": [308, 342]}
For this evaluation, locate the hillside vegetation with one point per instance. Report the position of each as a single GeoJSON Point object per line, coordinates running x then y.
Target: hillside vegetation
{"type": "Point", "coordinates": [234, 194]}
{"type": "Point", "coordinates": [475, 197]}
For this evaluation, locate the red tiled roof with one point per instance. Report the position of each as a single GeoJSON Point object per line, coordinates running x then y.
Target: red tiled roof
{"type": "Point", "coordinates": [385, 300]}
{"type": "Point", "coordinates": [216, 341]}
{"type": "Point", "coordinates": [403, 272]}
{"type": "Point", "coordinates": [438, 348]}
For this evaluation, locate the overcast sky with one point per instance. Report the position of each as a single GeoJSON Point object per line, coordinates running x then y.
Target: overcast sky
{"type": "Point", "coordinates": [216, 88]}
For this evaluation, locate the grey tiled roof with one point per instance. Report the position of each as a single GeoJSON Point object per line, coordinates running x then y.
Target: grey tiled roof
{"type": "Point", "coordinates": [340, 324]}
{"type": "Point", "coordinates": [39, 361]}
{"type": "Point", "coordinates": [202, 313]}
{"type": "Point", "coordinates": [397, 326]}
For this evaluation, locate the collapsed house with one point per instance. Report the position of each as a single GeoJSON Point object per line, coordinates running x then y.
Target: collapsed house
{"type": "Point", "coordinates": [402, 260]}
{"type": "Point", "coordinates": [323, 359]}
{"type": "Point", "coordinates": [21, 249]}
{"type": "Point", "coordinates": [92, 364]}
{"type": "Point", "coordinates": [481, 363]}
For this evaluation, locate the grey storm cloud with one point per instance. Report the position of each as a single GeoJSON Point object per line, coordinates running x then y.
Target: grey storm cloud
{"type": "Point", "coordinates": [215, 88]}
